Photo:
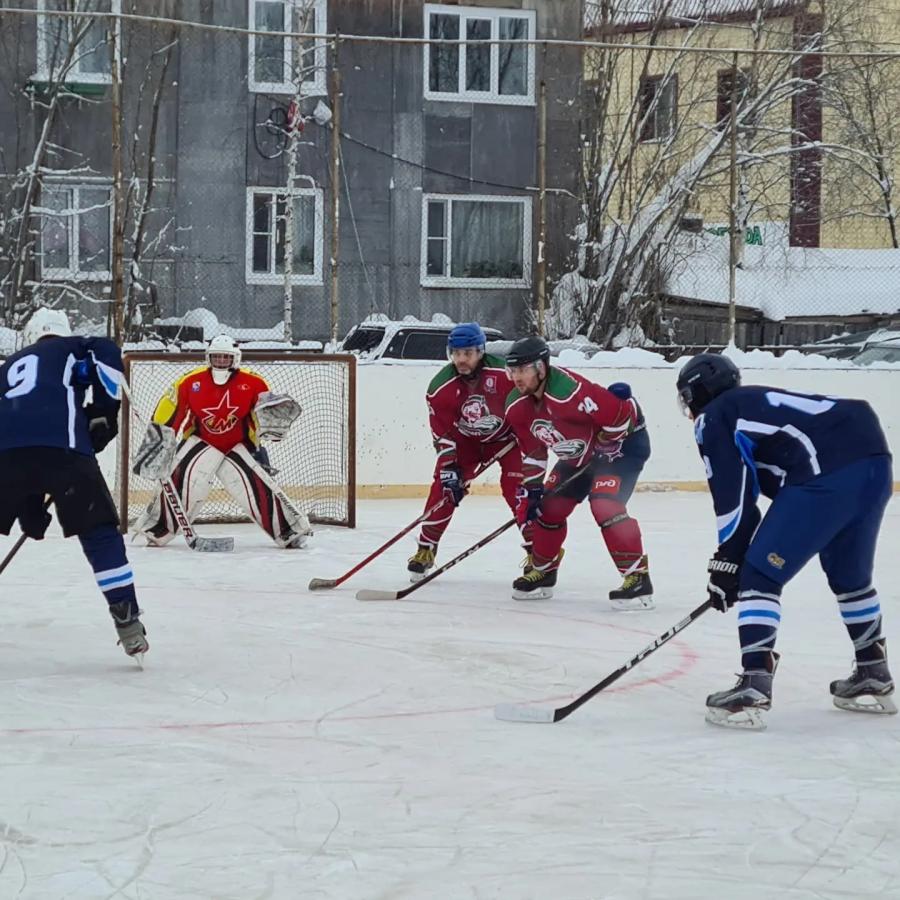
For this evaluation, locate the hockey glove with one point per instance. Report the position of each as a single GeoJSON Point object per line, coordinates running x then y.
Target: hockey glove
{"type": "Point", "coordinates": [722, 588]}
{"type": "Point", "coordinates": [101, 428]}
{"type": "Point", "coordinates": [621, 390]}
{"type": "Point", "coordinates": [34, 518]}
{"type": "Point", "coordinates": [528, 504]}
{"type": "Point", "coordinates": [453, 485]}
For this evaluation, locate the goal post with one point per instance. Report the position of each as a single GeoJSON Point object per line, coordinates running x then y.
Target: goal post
{"type": "Point", "coordinates": [316, 461]}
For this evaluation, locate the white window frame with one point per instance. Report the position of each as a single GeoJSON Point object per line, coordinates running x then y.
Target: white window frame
{"type": "Point", "coordinates": [495, 15]}
{"type": "Point", "coordinates": [45, 74]}
{"type": "Point", "coordinates": [427, 280]}
{"type": "Point", "coordinates": [316, 86]}
{"type": "Point", "coordinates": [318, 238]}
{"type": "Point", "coordinates": [72, 271]}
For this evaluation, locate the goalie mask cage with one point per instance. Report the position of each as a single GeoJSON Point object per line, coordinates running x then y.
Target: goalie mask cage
{"type": "Point", "coordinates": [316, 461]}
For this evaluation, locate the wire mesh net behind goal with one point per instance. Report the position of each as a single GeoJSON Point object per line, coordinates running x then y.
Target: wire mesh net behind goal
{"type": "Point", "coordinates": [315, 462]}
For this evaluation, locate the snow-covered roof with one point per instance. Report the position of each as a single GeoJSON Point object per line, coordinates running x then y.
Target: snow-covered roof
{"type": "Point", "coordinates": [249, 338]}
{"type": "Point", "coordinates": [637, 13]}
{"type": "Point", "coordinates": [789, 282]}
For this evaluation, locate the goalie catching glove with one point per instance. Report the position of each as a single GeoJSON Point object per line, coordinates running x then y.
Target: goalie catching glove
{"type": "Point", "coordinates": [275, 413]}
{"type": "Point", "coordinates": [156, 456]}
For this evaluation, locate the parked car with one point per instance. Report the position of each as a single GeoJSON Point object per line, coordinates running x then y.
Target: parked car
{"type": "Point", "coordinates": [879, 351]}
{"type": "Point", "coordinates": [847, 346]}
{"type": "Point", "coordinates": [381, 338]}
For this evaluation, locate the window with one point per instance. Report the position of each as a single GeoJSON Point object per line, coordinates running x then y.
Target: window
{"type": "Point", "coordinates": [476, 241]}
{"type": "Point", "coordinates": [658, 106]}
{"type": "Point", "coordinates": [476, 70]}
{"type": "Point", "coordinates": [76, 231]}
{"type": "Point", "coordinates": [266, 209]}
{"type": "Point", "coordinates": [86, 41]}
{"type": "Point", "coordinates": [725, 84]}
{"type": "Point", "coordinates": [276, 62]}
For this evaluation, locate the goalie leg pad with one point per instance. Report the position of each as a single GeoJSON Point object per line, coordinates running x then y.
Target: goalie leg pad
{"type": "Point", "coordinates": [259, 496]}
{"type": "Point", "coordinates": [196, 467]}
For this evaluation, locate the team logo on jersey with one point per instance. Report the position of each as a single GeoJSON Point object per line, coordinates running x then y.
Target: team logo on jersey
{"type": "Point", "coordinates": [490, 384]}
{"type": "Point", "coordinates": [220, 419]}
{"type": "Point", "coordinates": [195, 387]}
{"type": "Point", "coordinates": [243, 386]}
{"type": "Point", "coordinates": [551, 438]}
{"type": "Point", "coordinates": [476, 419]}
{"type": "Point", "coordinates": [775, 560]}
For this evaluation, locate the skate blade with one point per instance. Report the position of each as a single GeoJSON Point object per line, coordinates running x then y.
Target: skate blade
{"type": "Point", "coordinates": [416, 577]}
{"type": "Point", "coordinates": [633, 604]}
{"type": "Point", "coordinates": [867, 703]}
{"type": "Point", "coordinates": [539, 594]}
{"type": "Point", "coordinates": [139, 660]}
{"type": "Point", "coordinates": [748, 719]}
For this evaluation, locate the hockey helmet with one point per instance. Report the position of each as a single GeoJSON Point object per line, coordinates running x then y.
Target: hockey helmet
{"type": "Point", "coordinates": [465, 335]}
{"type": "Point", "coordinates": [223, 356]}
{"type": "Point", "coordinates": [528, 350]}
{"type": "Point", "coordinates": [705, 377]}
{"type": "Point", "coordinates": [46, 322]}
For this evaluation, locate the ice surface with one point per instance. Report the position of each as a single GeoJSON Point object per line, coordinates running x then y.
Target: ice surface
{"type": "Point", "coordinates": [282, 744]}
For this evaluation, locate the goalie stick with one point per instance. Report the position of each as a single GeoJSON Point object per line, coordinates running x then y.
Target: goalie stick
{"type": "Point", "coordinates": [318, 584]}
{"type": "Point", "coordinates": [512, 712]}
{"type": "Point", "coordinates": [192, 539]}
{"type": "Point", "coordinates": [399, 595]}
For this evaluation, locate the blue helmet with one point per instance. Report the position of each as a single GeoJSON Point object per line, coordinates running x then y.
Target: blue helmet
{"type": "Point", "coordinates": [464, 335]}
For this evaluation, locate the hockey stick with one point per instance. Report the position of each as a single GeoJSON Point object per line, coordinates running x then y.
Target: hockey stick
{"type": "Point", "coordinates": [193, 540]}
{"type": "Point", "coordinates": [511, 712]}
{"type": "Point", "coordinates": [22, 538]}
{"type": "Point", "coordinates": [322, 583]}
{"type": "Point", "coordinates": [399, 595]}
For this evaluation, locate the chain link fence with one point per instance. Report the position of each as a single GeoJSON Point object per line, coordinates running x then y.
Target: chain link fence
{"type": "Point", "coordinates": [686, 176]}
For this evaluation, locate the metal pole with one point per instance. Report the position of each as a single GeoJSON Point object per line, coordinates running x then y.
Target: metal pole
{"type": "Point", "coordinates": [732, 211]}
{"type": "Point", "coordinates": [118, 199]}
{"type": "Point", "coordinates": [541, 273]}
{"type": "Point", "coordinates": [335, 188]}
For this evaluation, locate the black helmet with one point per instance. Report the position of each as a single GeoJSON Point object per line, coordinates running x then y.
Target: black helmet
{"type": "Point", "coordinates": [528, 350]}
{"type": "Point", "coordinates": [704, 377]}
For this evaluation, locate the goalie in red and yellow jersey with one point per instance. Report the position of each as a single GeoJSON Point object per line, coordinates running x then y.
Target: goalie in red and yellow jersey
{"type": "Point", "coordinates": [220, 413]}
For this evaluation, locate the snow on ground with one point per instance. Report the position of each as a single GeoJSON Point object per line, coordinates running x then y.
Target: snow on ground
{"type": "Point", "coordinates": [283, 744]}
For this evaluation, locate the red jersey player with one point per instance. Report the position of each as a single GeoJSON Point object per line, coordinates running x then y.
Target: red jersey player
{"type": "Point", "coordinates": [465, 410]}
{"type": "Point", "coordinates": [598, 434]}
{"type": "Point", "coordinates": [217, 411]}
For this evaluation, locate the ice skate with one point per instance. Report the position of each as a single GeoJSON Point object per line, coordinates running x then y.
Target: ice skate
{"type": "Point", "coordinates": [420, 562]}
{"type": "Point", "coordinates": [636, 592]}
{"type": "Point", "coordinates": [868, 688]}
{"type": "Point", "coordinates": [132, 634]}
{"type": "Point", "coordinates": [742, 706]}
{"type": "Point", "coordinates": [537, 583]}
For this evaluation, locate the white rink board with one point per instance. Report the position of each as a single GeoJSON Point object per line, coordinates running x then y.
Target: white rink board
{"type": "Point", "coordinates": [281, 744]}
{"type": "Point", "coordinates": [395, 443]}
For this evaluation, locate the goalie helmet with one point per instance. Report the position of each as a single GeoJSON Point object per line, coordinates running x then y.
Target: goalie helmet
{"type": "Point", "coordinates": [46, 323]}
{"type": "Point", "coordinates": [223, 356]}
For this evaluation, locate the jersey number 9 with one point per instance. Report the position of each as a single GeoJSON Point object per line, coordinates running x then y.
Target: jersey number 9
{"type": "Point", "coordinates": [22, 376]}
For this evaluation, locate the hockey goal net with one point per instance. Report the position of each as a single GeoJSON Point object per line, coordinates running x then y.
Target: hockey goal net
{"type": "Point", "coordinates": [316, 461]}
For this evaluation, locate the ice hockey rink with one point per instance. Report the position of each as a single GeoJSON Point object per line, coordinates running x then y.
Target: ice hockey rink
{"type": "Point", "coordinates": [282, 744]}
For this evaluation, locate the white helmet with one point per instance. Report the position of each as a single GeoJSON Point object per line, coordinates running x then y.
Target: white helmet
{"type": "Point", "coordinates": [46, 323]}
{"type": "Point", "coordinates": [223, 356]}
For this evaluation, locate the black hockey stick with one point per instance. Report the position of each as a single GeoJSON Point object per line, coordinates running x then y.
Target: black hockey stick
{"type": "Point", "coordinates": [193, 540]}
{"type": "Point", "coordinates": [18, 544]}
{"type": "Point", "coordinates": [321, 583]}
{"type": "Point", "coordinates": [512, 712]}
{"type": "Point", "coordinates": [399, 595]}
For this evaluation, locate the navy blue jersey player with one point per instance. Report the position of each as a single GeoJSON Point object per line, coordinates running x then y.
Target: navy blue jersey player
{"type": "Point", "coordinates": [59, 404]}
{"type": "Point", "coordinates": [825, 464]}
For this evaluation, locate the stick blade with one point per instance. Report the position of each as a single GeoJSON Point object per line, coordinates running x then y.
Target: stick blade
{"type": "Point", "coordinates": [322, 584]}
{"type": "Point", "coordinates": [213, 544]}
{"type": "Point", "coordinates": [377, 595]}
{"type": "Point", "coordinates": [514, 712]}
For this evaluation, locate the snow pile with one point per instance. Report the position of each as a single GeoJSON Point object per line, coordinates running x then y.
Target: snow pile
{"type": "Point", "coordinates": [8, 339]}
{"type": "Point", "coordinates": [249, 338]}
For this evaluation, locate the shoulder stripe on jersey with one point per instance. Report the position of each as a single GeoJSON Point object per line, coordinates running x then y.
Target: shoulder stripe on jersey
{"type": "Point", "coordinates": [751, 427]}
{"type": "Point", "coordinates": [70, 398]}
{"type": "Point", "coordinates": [110, 378]}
